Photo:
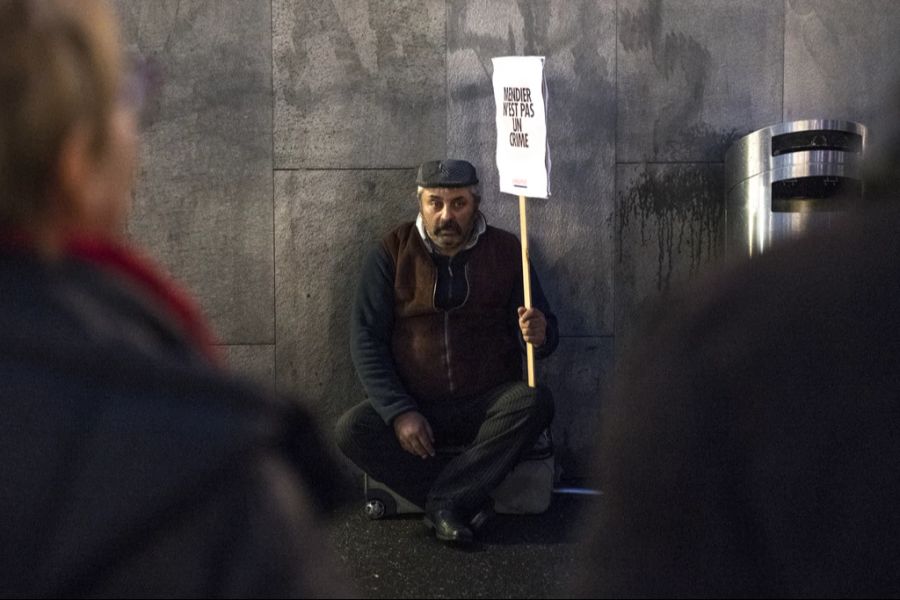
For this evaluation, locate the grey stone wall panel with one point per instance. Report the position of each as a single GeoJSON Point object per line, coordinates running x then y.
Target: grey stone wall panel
{"type": "Point", "coordinates": [571, 233]}
{"type": "Point", "coordinates": [326, 222]}
{"type": "Point", "coordinates": [842, 61]}
{"type": "Point", "coordinates": [359, 83]}
{"type": "Point", "coordinates": [579, 374]}
{"type": "Point", "coordinates": [670, 227]}
{"type": "Point", "coordinates": [694, 75]}
{"type": "Point", "coordinates": [203, 200]}
{"type": "Point", "coordinates": [256, 363]}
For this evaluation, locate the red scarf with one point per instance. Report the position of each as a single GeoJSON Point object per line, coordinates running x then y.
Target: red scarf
{"type": "Point", "coordinates": [130, 264]}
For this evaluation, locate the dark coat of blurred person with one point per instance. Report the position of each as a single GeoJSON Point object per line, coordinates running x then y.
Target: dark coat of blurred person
{"type": "Point", "coordinates": [132, 464]}
{"type": "Point", "coordinates": [752, 446]}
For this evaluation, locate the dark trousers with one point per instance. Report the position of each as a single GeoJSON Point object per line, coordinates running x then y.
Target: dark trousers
{"type": "Point", "coordinates": [492, 429]}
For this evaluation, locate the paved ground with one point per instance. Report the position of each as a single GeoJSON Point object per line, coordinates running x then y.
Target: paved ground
{"type": "Point", "coordinates": [516, 556]}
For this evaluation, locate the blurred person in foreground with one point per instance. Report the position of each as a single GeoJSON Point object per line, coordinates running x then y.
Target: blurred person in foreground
{"type": "Point", "coordinates": [752, 447]}
{"type": "Point", "coordinates": [133, 465]}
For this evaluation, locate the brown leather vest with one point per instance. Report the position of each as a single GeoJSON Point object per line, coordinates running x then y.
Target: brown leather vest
{"type": "Point", "coordinates": [441, 355]}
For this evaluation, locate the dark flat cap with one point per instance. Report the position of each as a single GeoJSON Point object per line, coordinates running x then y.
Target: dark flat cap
{"type": "Point", "coordinates": [447, 173]}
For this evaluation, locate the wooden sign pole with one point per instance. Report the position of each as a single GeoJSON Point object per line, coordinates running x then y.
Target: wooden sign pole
{"type": "Point", "coordinates": [526, 283]}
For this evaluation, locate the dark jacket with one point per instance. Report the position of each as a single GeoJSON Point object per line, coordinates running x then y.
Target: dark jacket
{"type": "Point", "coordinates": [131, 465]}
{"type": "Point", "coordinates": [442, 354]}
{"type": "Point", "coordinates": [427, 328]}
{"type": "Point", "coordinates": [753, 446]}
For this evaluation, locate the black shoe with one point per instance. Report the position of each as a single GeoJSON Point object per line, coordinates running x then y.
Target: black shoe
{"type": "Point", "coordinates": [449, 526]}
{"type": "Point", "coordinates": [484, 515]}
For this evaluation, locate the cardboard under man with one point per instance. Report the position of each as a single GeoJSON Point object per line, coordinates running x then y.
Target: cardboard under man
{"type": "Point", "coordinates": [438, 336]}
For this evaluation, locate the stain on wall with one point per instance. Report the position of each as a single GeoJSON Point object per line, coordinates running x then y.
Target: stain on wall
{"type": "Point", "coordinates": [680, 212]}
{"type": "Point", "coordinates": [670, 227]}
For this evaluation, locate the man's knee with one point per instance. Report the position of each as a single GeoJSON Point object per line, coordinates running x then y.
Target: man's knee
{"type": "Point", "coordinates": [538, 401]}
{"type": "Point", "coordinates": [343, 431]}
{"type": "Point", "coordinates": [350, 429]}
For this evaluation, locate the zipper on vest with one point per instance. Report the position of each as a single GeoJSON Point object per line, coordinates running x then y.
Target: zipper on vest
{"type": "Point", "coordinates": [447, 326]}
{"type": "Point", "coordinates": [434, 270]}
{"type": "Point", "coordinates": [447, 348]}
{"type": "Point", "coordinates": [450, 282]}
{"type": "Point", "coordinates": [468, 286]}
{"type": "Point", "coordinates": [434, 273]}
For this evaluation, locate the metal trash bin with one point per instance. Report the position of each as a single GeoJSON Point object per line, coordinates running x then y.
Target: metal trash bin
{"type": "Point", "coordinates": [788, 178]}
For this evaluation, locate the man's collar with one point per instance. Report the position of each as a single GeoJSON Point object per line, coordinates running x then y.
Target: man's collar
{"type": "Point", "coordinates": [480, 227]}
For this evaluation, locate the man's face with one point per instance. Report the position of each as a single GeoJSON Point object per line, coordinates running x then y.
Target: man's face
{"type": "Point", "coordinates": [449, 217]}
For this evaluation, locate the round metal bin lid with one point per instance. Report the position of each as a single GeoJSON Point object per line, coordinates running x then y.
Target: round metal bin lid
{"type": "Point", "coordinates": [820, 141]}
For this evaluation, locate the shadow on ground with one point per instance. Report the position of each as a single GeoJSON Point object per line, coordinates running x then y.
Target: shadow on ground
{"type": "Point", "coordinates": [515, 557]}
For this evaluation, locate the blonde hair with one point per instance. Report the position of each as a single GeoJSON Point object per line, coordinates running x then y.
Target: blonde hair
{"type": "Point", "coordinates": [60, 67]}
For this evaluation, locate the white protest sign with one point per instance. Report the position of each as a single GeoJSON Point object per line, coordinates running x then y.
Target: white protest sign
{"type": "Point", "coordinates": [523, 156]}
